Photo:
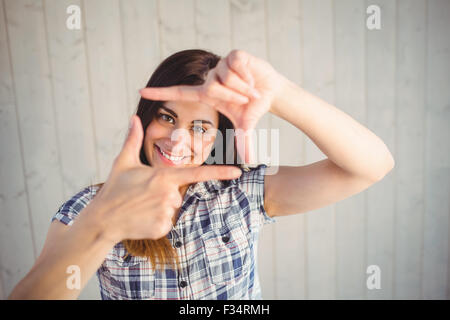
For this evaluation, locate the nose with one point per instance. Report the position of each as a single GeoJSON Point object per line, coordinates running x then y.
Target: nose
{"type": "Point", "coordinates": [180, 141]}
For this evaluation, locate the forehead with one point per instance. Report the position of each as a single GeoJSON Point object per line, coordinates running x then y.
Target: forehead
{"type": "Point", "coordinates": [188, 111]}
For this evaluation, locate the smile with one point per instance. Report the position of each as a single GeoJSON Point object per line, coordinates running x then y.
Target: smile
{"type": "Point", "coordinates": [166, 156]}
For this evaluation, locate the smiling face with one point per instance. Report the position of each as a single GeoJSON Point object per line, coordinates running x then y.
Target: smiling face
{"type": "Point", "coordinates": [181, 134]}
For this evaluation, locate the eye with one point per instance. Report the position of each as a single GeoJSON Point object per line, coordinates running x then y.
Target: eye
{"type": "Point", "coordinates": [165, 117]}
{"type": "Point", "coordinates": [198, 129]}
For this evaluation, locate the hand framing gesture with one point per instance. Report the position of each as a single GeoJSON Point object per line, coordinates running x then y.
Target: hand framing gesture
{"type": "Point", "coordinates": [139, 201]}
{"type": "Point", "coordinates": [241, 87]}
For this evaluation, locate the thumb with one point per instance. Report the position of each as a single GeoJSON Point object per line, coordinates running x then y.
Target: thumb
{"type": "Point", "coordinates": [129, 155]}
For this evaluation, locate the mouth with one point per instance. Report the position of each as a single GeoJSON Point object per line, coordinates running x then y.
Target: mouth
{"type": "Point", "coordinates": [168, 159]}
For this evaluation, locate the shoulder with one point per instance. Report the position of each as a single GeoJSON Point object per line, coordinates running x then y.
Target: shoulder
{"type": "Point", "coordinates": [80, 199]}
{"type": "Point", "coordinates": [68, 211]}
{"type": "Point", "coordinates": [251, 180]}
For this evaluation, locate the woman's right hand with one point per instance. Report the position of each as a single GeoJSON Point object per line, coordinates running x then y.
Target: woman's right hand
{"type": "Point", "coordinates": [138, 201]}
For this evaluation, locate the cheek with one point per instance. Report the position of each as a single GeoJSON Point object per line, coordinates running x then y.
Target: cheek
{"type": "Point", "coordinates": [152, 134]}
{"type": "Point", "coordinates": [155, 131]}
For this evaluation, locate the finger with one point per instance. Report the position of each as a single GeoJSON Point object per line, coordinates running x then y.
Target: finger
{"type": "Point", "coordinates": [217, 91]}
{"type": "Point", "coordinates": [209, 95]}
{"type": "Point", "coordinates": [244, 144]}
{"type": "Point", "coordinates": [226, 112]}
{"type": "Point", "coordinates": [175, 198]}
{"type": "Point", "coordinates": [232, 80]}
{"type": "Point", "coordinates": [231, 111]}
{"type": "Point", "coordinates": [184, 176]}
{"type": "Point", "coordinates": [239, 64]}
{"type": "Point", "coordinates": [178, 200]}
{"type": "Point", "coordinates": [129, 155]}
{"type": "Point", "coordinates": [172, 93]}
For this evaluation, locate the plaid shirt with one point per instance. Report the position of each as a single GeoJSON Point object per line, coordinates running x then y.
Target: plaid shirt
{"type": "Point", "coordinates": [216, 237]}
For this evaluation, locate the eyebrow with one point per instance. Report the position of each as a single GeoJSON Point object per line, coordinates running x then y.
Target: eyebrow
{"type": "Point", "coordinates": [176, 116]}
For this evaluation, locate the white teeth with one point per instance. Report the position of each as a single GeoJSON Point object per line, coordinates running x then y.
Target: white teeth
{"type": "Point", "coordinates": [170, 157]}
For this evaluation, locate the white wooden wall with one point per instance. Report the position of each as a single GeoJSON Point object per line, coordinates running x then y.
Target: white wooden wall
{"type": "Point", "coordinates": [66, 97]}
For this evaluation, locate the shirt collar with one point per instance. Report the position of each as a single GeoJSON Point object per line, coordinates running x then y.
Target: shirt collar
{"type": "Point", "coordinates": [208, 189]}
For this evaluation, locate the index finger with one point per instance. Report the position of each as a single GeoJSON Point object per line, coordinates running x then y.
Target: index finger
{"type": "Point", "coordinates": [172, 93]}
{"type": "Point", "coordinates": [185, 176]}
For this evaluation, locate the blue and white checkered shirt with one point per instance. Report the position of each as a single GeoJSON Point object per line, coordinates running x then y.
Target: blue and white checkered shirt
{"type": "Point", "coordinates": [216, 237]}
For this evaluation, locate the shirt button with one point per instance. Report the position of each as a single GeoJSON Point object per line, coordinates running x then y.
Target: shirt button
{"type": "Point", "coordinates": [225, 239]}
{"type": "Point", "coordinates": [183, 284]}
{"type": "Point", "coordinates": [178, 244]}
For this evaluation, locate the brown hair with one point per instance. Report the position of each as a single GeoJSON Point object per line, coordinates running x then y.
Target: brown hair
{"type": "Point", "coordinates": [187, 67]}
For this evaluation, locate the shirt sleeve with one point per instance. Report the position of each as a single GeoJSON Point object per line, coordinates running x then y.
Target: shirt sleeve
{"type": "Point", "coordinates": [70, 209]}
{"type": "Point", "coordinates": [252, 183]}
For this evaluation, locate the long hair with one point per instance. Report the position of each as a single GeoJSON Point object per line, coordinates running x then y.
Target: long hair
{"type": "Point", "coordinates": [187, 67]}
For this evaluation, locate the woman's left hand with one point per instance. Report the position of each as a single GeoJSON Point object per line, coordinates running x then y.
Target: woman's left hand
{"type": "Point", "coordinates": [242, 87]}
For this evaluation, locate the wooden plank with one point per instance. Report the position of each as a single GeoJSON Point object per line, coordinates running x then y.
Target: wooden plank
{"type": "Point", "coordinates": [350, 97]}
{"type": "Point", "coordinates": [318, 78]}
{"type": "Point", "coordinates": [107, 79]}
{"type": "Point", "coordinates": [71, 96]}
{"type": "Point", "coordinates": [140, 34]}
{"type": "Point", "coordinates": [285, 53]}
{"type": "Point", "coordinates": [177, 26]}
{"type": "Point", "coordinates": [248, 33]}
{"type": "Point", "coordinates": [381, 66]}
{"type": "Point", "coordinates": [212, 21]}
{"type": "Point", "coordinates": [31, 74]}
{"type": "Point", "coordinates": [15, 220]}
{"type": "Point", "coordinates": [74, 114]}
{"type": "Point", "coordinates": [437, 153]}
{"type": "Point", "coordinates": [411, 47]}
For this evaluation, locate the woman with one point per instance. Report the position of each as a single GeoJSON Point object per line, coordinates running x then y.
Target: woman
{"type": "Point", "coordinates": [205, 246]}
